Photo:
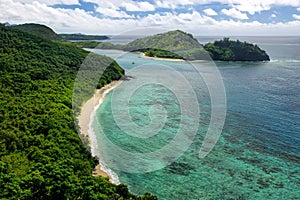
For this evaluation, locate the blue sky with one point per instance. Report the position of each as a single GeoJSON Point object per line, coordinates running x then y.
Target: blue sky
{"type": "Point", "coordinates": [200, 17]}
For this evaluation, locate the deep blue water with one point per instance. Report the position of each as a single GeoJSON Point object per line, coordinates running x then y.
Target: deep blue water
{"type": "Point", "coordinates": [257, 155]}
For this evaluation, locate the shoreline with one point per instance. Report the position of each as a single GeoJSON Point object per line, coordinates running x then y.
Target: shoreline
{"type": "Point", "coordinates": [163, 59]}
{"type": "Point", "coordinates": [85, 120]}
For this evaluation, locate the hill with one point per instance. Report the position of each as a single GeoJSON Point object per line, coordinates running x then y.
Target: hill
{"type": "Point", "coordinates": [41, 154]}
{"type": "Point", "coordinates": [170, 41]}
{"type": "Point", "coordinates": [182, 44]}
{"type": "Point", "coordinates": [39, 30]}
{"type": "Point", "coordinates": [229, 50]}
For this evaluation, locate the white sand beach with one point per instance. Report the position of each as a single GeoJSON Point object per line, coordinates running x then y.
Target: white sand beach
{"type": "Point", "coordinates": [84, 122]}
{"type": "Point", "coordinates": [165, 59]}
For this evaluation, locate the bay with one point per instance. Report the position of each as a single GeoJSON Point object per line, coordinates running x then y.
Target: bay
{"type": "Point", "coordinates": [257, 155]}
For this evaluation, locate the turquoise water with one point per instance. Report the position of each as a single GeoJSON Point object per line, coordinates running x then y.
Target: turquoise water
{"type": "Point", "coordinates": [257, 155]}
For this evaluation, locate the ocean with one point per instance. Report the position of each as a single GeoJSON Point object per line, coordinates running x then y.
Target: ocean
{"type": "Point", "coordinates": [257, 155]}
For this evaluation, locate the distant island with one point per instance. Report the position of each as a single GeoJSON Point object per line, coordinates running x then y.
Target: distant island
{"type": "Point", "coordinates": [79, 36]}
{"type": "Point", "coordinates": [178, 44]}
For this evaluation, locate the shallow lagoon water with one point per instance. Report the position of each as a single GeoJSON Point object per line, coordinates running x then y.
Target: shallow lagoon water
{"type": "Point", "coordinates": [257, 155]}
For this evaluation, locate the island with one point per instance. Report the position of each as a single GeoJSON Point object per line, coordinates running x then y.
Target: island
{"type": "Point", "coordinates": [79, 36]}
{"type": "Point", "coordinates": [178, 44]}
{"type": "Point", "coordinates": [181, 45]}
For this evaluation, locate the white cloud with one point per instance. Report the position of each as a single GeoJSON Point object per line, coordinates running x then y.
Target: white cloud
{"type": "Point", "coordinates": [273, 15]}
{"type": "Point", "coordinates": [254, 6]}
{"type": "Point", "coordinates": [53, 2]}
{"type": "Point", "coordinates": [298, 9]}
{"type": "Point", "coordinates": [172, 4]}
{"type": "Point", "coordinates": [250, 6]}
{"type": "Point", "coordinates": [210, 12]}
{"type": "Point", "coordinates": [138, 6]}
{"type": "Point", "coordinates": [296, 16]}
{"type": "Point", "coordinates": [113, 12]}
{"type": "Point", "coordinates": [61, 20]}
{"type": "Point", "coordinates": [234, 13]}
{"type": "Point", "coordinates": [68, 20]}
{"type": "Point", "coordinates": [110, 9]}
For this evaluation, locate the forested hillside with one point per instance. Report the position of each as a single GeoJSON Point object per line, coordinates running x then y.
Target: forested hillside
{"type": "Point", "coordinates": [41, 154]}
{"type": "Point", "coordinates": [39, 30]}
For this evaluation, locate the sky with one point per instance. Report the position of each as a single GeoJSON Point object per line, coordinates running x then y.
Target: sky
{"type": "Point", "coordinates": [199, 17]}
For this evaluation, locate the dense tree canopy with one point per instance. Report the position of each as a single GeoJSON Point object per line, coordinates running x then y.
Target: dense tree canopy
{"type": "Point", "coordinates": [41, 154]}
{"type": "Point", "coordinates": [229, 50]}
{"type": "Point", "coordinates": [39, 30]}
{"type": "Point", "coordinates": [159, 53]}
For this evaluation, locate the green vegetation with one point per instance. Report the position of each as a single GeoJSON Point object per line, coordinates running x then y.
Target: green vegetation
{"type": "Point", "coordinates": [171, 41]}
{"type": "Point", "coordinates": [82, 37]}
{"type": "Point", "coordinates": [46, 32]}
{"type": "Point", "coordinates": [228, 50]}
{"type": "Point", "coordinates": [39, 30]}
{"type": "Point", "coordinates": [86, 44]}
{"type": "Point", "coordinates": [160, 53]}
{"type": "Point", "coordinates": [41, 154]}
{"type": "Point", "coordinates": [177, 42]}
{"type": "Point", "coordinates": [98, 45]}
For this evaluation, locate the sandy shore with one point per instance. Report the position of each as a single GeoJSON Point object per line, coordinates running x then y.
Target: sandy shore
{"type": "Point", "coordinates": [85, 117]}
{"type": "Point", "coordinates": [165, 59]}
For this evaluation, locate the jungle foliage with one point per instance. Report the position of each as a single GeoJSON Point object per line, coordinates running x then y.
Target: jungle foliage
{"type": "Point", "coordinates": [229, 50]}
{"type": "Point", "coordinates": [41, 154]}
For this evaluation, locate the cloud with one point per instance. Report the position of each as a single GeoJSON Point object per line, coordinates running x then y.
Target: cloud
{"type": "Point", "coordinates": [61, 20]}
{"type": "Point", "coordinates": [138, 6]}
{"type": "Point", "coordinates": [53, 2]}
{"type": "Point", "coordinates": [296, 16]}
{"type": "Point", "coordinates": [210, 12]}
{"type": "Point", "coordinates": [114, 20]}
{"type": "Point", "coordinates": [234, 13]}
{"type": "Point", "coordinates": [254, 6]}
{"type": "Point", "coordinates": [273, 15]}
{"type": "Point", "coordinates": [173, 4]}
{"type": "Point", "coordinates": [298, 9]}
{"type": "Point", "coordinates": [250, 6]}
{"type": "Point", "coordinates": [113, 13]}
{"type": "Point", "coordinates": [109, 9]}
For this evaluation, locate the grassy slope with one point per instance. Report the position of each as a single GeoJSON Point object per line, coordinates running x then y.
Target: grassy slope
{"type": "Point", "coordinates": [178, 42]}
{"type": "Point", "coordinates": [41, 154]}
